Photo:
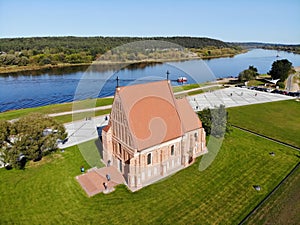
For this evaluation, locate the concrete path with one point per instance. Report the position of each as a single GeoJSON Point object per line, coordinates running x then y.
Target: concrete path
{"type": "Point", "coordinates": [80, 111]}
{"type": "Point", "coordinates": [83, 130]}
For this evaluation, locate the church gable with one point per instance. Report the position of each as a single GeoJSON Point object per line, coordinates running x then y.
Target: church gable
{"type": "Point", "coordinates": [119, 123]}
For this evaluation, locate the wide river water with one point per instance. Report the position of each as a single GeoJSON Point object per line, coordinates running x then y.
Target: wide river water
{"type": "Point", "coordinates": [64, 85]}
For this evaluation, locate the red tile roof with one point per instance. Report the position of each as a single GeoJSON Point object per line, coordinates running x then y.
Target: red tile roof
{"type": "Point", "coordinates": [154, 115]}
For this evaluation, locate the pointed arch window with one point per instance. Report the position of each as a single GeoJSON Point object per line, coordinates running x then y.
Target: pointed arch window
{"type": "Point", "coordinates": [149, 158]}
{"type": "Point", "coordinates": [172, 150]}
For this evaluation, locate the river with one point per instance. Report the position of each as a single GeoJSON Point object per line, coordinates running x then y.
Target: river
{"type": "Point", "coordinates": [68, 84]}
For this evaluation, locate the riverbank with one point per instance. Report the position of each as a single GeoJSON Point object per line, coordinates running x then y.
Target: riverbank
{"type": "Point", "coordinates": [107, 63]}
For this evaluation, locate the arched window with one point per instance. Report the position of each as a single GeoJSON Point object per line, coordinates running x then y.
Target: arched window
{"type": "Point", "coordinates": [196, 136]}
{"type": "Point", "coordinates": [172, 150]}
{"type": "Point", "coordinates": [149, 159]}
{"type": "Point", "coordinates": [120, 149]}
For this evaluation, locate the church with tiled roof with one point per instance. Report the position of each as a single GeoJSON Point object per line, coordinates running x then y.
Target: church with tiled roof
{"type": "Point", "coordinates": [151, 134]}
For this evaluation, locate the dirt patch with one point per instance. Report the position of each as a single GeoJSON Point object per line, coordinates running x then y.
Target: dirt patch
{"type": "Point", "coordinates": [44, 160]}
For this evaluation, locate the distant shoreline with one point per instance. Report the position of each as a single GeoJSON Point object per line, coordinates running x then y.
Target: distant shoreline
{"type": "Point", "coordinates": [18, 69]}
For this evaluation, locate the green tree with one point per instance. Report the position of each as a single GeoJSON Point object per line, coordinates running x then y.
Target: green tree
{"type": "Point", "coordinates": [248, 74]}
{"type": "Point", "coordinates": [29, 138]}
{"type": "Point", "coordinates": [280, 69]}
{"type": "Point", "coordinates": [215, 121]}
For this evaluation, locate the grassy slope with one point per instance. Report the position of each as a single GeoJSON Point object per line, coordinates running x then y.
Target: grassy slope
{"type": "Point", "coordinates": [283, 207]}
{"type": "Point", "coordinates": [223, 193]}
{"type": "Point", "coordinates": [279, 120]}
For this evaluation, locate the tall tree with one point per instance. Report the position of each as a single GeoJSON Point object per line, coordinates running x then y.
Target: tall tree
{"type": "Point", "coordinates": [215, 121]}
{"type": "Point", "coordinates": [29, 138]}
{"type": "Point", "coordinates": [280, 69]}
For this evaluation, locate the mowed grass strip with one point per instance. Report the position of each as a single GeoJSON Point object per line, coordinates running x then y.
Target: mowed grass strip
{"type": "Point", "coordinates": [81, 116]}
{"type": "Point", "coordinates": [279, 120]}
{"type": "Point", "coordinates": [57, 108]}
{"type": "Point", "coordinates": [283, 206]}
{"type": "Point", "coordinates": [49, 193]}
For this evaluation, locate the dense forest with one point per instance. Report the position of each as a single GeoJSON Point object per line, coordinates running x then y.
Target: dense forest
{"type": "Point", "coordinates": [41, 51]}
{"type": "Point", "coordinates": [279, 47]}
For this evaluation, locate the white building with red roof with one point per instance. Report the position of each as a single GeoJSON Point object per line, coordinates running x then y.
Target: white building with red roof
{"type": "Point", "coordinates": [151, 134]}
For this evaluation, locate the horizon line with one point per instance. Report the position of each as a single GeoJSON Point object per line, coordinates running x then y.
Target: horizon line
{"type": "Point", "coordinates": [150, 36]}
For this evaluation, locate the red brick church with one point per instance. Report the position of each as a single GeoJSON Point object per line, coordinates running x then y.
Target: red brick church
{"type": "Point", "coordinates": [151, 134]}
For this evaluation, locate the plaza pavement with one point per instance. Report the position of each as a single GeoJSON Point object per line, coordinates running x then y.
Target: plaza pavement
{"type": "Point", "coordinates": [232, 97]}
{"type": "Point", "coordinates": [85, 130]}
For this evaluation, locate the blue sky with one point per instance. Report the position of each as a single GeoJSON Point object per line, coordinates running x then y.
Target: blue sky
{"type": "Point", "coordinates": [241, 20]}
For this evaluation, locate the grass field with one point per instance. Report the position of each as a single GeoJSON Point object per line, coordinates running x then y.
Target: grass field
{"type": "Point", "coordinates": [90, 151]}
{"type": "Point", "coordinates": [279, 120]}
{"type": "Point", "coordinates": [283, 207]}
{"type": "Point", "coordinates": [81, 116]}
{"type": "Point", "coordinates": [48, 193]}
{"type": "Point", "coordinates": [255, 83]}
{"type": "Point", "coordinates": [186, 87]}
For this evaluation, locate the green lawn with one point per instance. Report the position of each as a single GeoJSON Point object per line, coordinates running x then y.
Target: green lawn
{"type": "Point", "coordinates": [255, 83]}
{"type": "Point", "coordinates": [47, 193]}
{"type": "Point", "coordinates": [279, 120]}
{"type": "Point", "coordinates": [90, 151]}
{"type": "Point", "coordinates": [283, 207]}
{"type": "Point", "coordinates": [56, 108]}
{"type": "Point", "coordinates": [186, 87]}
{"type": "Point", "coordinates": [81, 116]}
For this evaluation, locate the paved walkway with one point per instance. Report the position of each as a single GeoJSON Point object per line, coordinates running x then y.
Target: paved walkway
{"type": "Point", "coordinates": [93, 180]}
{"type": "Point", "coordinates": [84, 130]}
{"type": "Point", "coordinates": [81, 111]}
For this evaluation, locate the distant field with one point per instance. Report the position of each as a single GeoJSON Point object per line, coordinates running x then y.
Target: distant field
{"type": "Point", "coordinates": [279, 120]}
{"type": "Point", "coordinates": [283, 207]}
{"type": "Point", "coordinates": [255, 83]}
{"type": "Point", "coordinates": [48, 193]}
{"type": "Point", "coordinates": [186, 87]}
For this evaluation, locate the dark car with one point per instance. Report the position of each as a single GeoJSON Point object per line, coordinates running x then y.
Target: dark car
{"type": "Point", "coordinates": [64, 141]}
